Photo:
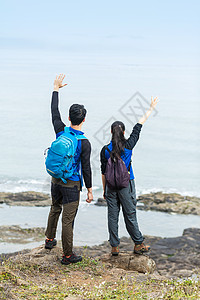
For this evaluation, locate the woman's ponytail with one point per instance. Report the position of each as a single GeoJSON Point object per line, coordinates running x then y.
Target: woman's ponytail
{"type": "Point", "coordinates": [118, 139]}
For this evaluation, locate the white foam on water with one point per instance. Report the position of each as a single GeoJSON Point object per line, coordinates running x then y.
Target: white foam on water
{"type": "Point", "coordinates": [43, 185]}
{"type": "Point", "coordinates": [24, 185]}
{"type": "Point", "coordinates": [141, 191]}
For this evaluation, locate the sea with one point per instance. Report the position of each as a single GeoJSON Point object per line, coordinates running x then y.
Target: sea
{"type": "Point", "coordinates": [166, 157]}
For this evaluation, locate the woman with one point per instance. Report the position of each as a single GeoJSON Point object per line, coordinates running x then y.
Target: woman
{"type": "Point", "coordinates": [120, 149]}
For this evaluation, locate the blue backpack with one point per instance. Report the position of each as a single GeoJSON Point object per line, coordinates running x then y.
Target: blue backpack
{"type": "Point", "coordinates": [60, 156]}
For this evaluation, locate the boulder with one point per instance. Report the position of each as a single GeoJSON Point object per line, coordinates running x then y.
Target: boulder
{"type": "Point", "coordinates": [130, 261]}
{"type": "Point", "coordinates": [101, 202]}
{"type": "Point", "coordinates": [39, 256]}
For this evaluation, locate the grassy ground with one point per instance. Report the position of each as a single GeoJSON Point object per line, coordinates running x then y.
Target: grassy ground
{"type": "Point", "coordinates": [89, 279]}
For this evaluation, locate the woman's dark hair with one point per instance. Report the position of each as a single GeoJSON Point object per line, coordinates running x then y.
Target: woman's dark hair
{"type": "Point", "coordinates": [118, 139]}
{"type": "Point", "coordinates": [77, 114]}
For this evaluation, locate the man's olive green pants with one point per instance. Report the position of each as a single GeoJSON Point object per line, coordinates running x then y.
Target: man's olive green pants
{"type": "Point", "coordinates": [65, 197]}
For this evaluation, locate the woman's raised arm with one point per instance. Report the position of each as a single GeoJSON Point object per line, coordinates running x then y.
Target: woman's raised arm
{"type": "Point", "coordinates": [147, 114]}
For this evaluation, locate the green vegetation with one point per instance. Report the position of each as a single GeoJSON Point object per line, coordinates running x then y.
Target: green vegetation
{"type": "Point", "coordinates": [89, 279]}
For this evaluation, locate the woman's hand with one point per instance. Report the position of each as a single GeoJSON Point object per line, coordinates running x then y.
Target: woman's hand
{"type": "Point", "coordinates": [153, 102]}
{"type": "Point", "coordinates": [58, 82]}
{"type": "Point", "coordinates": [149, 111]}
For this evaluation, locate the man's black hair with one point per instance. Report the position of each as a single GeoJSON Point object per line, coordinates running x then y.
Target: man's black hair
{"type": "Point", "coordinates": [77, 114]}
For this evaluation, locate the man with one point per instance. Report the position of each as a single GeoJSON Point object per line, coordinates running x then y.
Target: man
{"type": "Point", "coordinates": [66, 196]}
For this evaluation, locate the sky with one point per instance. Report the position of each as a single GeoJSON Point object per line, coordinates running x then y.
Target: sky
{"type": "Point", "coordinates": [39, 39]}
{"type": "Point", "coordinates": [108, 50]}
{"type": "Point", "coordinates": [94, 27]}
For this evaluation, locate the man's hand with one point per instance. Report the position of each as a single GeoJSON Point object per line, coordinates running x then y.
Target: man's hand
{"type": "Point", "coordinates": [58, 82]}
{"type": "Point", "coordinates": [89, 196]}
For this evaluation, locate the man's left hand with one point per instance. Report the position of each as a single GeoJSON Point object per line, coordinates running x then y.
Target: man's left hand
{"type": "Point", "coordinates": [89, 197]}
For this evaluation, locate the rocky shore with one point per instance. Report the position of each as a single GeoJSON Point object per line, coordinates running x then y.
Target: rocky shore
{"type": "Point", "coordinates": [38, 273]}
{"type": "Point", "coordinates": [25, 199]}
{"type": "Point", "coordinates": [165, 202]}
{"type": "Point", "coordinates": [172, 202]}
{"type": "Point", "coordinates": [173, 257]}
{"type": "Point", "coordinates": [16, 235]}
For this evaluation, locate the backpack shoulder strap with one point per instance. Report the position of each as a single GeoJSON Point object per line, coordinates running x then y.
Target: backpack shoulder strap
{"type": "Point", "coordinates": [66, 129]}
{"type": "Point", "coordinates": [129, 166]}
{"type": "Point", "coordinates": [78, 136]}
{"type": "Point", "coordinates": [81, 137]}
{"type": "Point", "coordinates": [106, 148]}
{"type": "Point", "coordinates": [110, 152]}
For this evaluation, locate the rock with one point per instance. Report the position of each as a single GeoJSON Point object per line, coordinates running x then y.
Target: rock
{"type": "Point", "coordinates": [39, 256]}
{"type": "Point", "coordinates": [165, 202]}
{"type": "Point", "coordinates": [171, 202]}
{"type": "Point", "coordinates": [174, 257]}
{"type": "Point", "coordinates": [25, 199]}
{"type": "Point", "coordinates": [183, 273]}
{"type": "Point", "coordinates": [192, 232]}
{"type": "Point", "coordinates": [142, 264]}
{"type": "Point", "coordinates": [130, 261]}
{"type": "Point", "coordinates": [127, 261]}
{"type": "Point", "coordinates": [154, 201]}
{"type": "Point", "coordinates": [101, 202]}
{"type": "Point", "coordinates": [16, 234]}
{"type": "Point", "coordinates": [22, 282]}
{"type": "Point", "coordinates": [179, 256]}
{"type": "Point", "coordinates": [39, 274]}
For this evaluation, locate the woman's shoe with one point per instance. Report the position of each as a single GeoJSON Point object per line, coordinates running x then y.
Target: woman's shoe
{"type": "Point", "coordinates": [141, 248]}
{"type": "Point", "coordinates": [115, 251]}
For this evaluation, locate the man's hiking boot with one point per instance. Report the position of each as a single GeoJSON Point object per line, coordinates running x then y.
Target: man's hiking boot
{"type": "Point", "coordinates": [115, 251]}
{"type": "Point", "coordinates": [71, 259]}
{"type": "Point", "coordinates": [50, 243]}
{"type": "Point", "coordinates": [141, 248]}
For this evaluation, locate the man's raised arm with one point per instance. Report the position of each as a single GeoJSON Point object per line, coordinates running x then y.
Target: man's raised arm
{"type": "Point", "coordinates": [56, 118]}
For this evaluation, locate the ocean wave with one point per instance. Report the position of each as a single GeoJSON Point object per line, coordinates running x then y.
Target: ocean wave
{"type": "Point", "coordinates": [141, 191]}
{"type": "Point", "coordinates": [23, 185]}
{"type": "Point", "coordinates": [16, 185]}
